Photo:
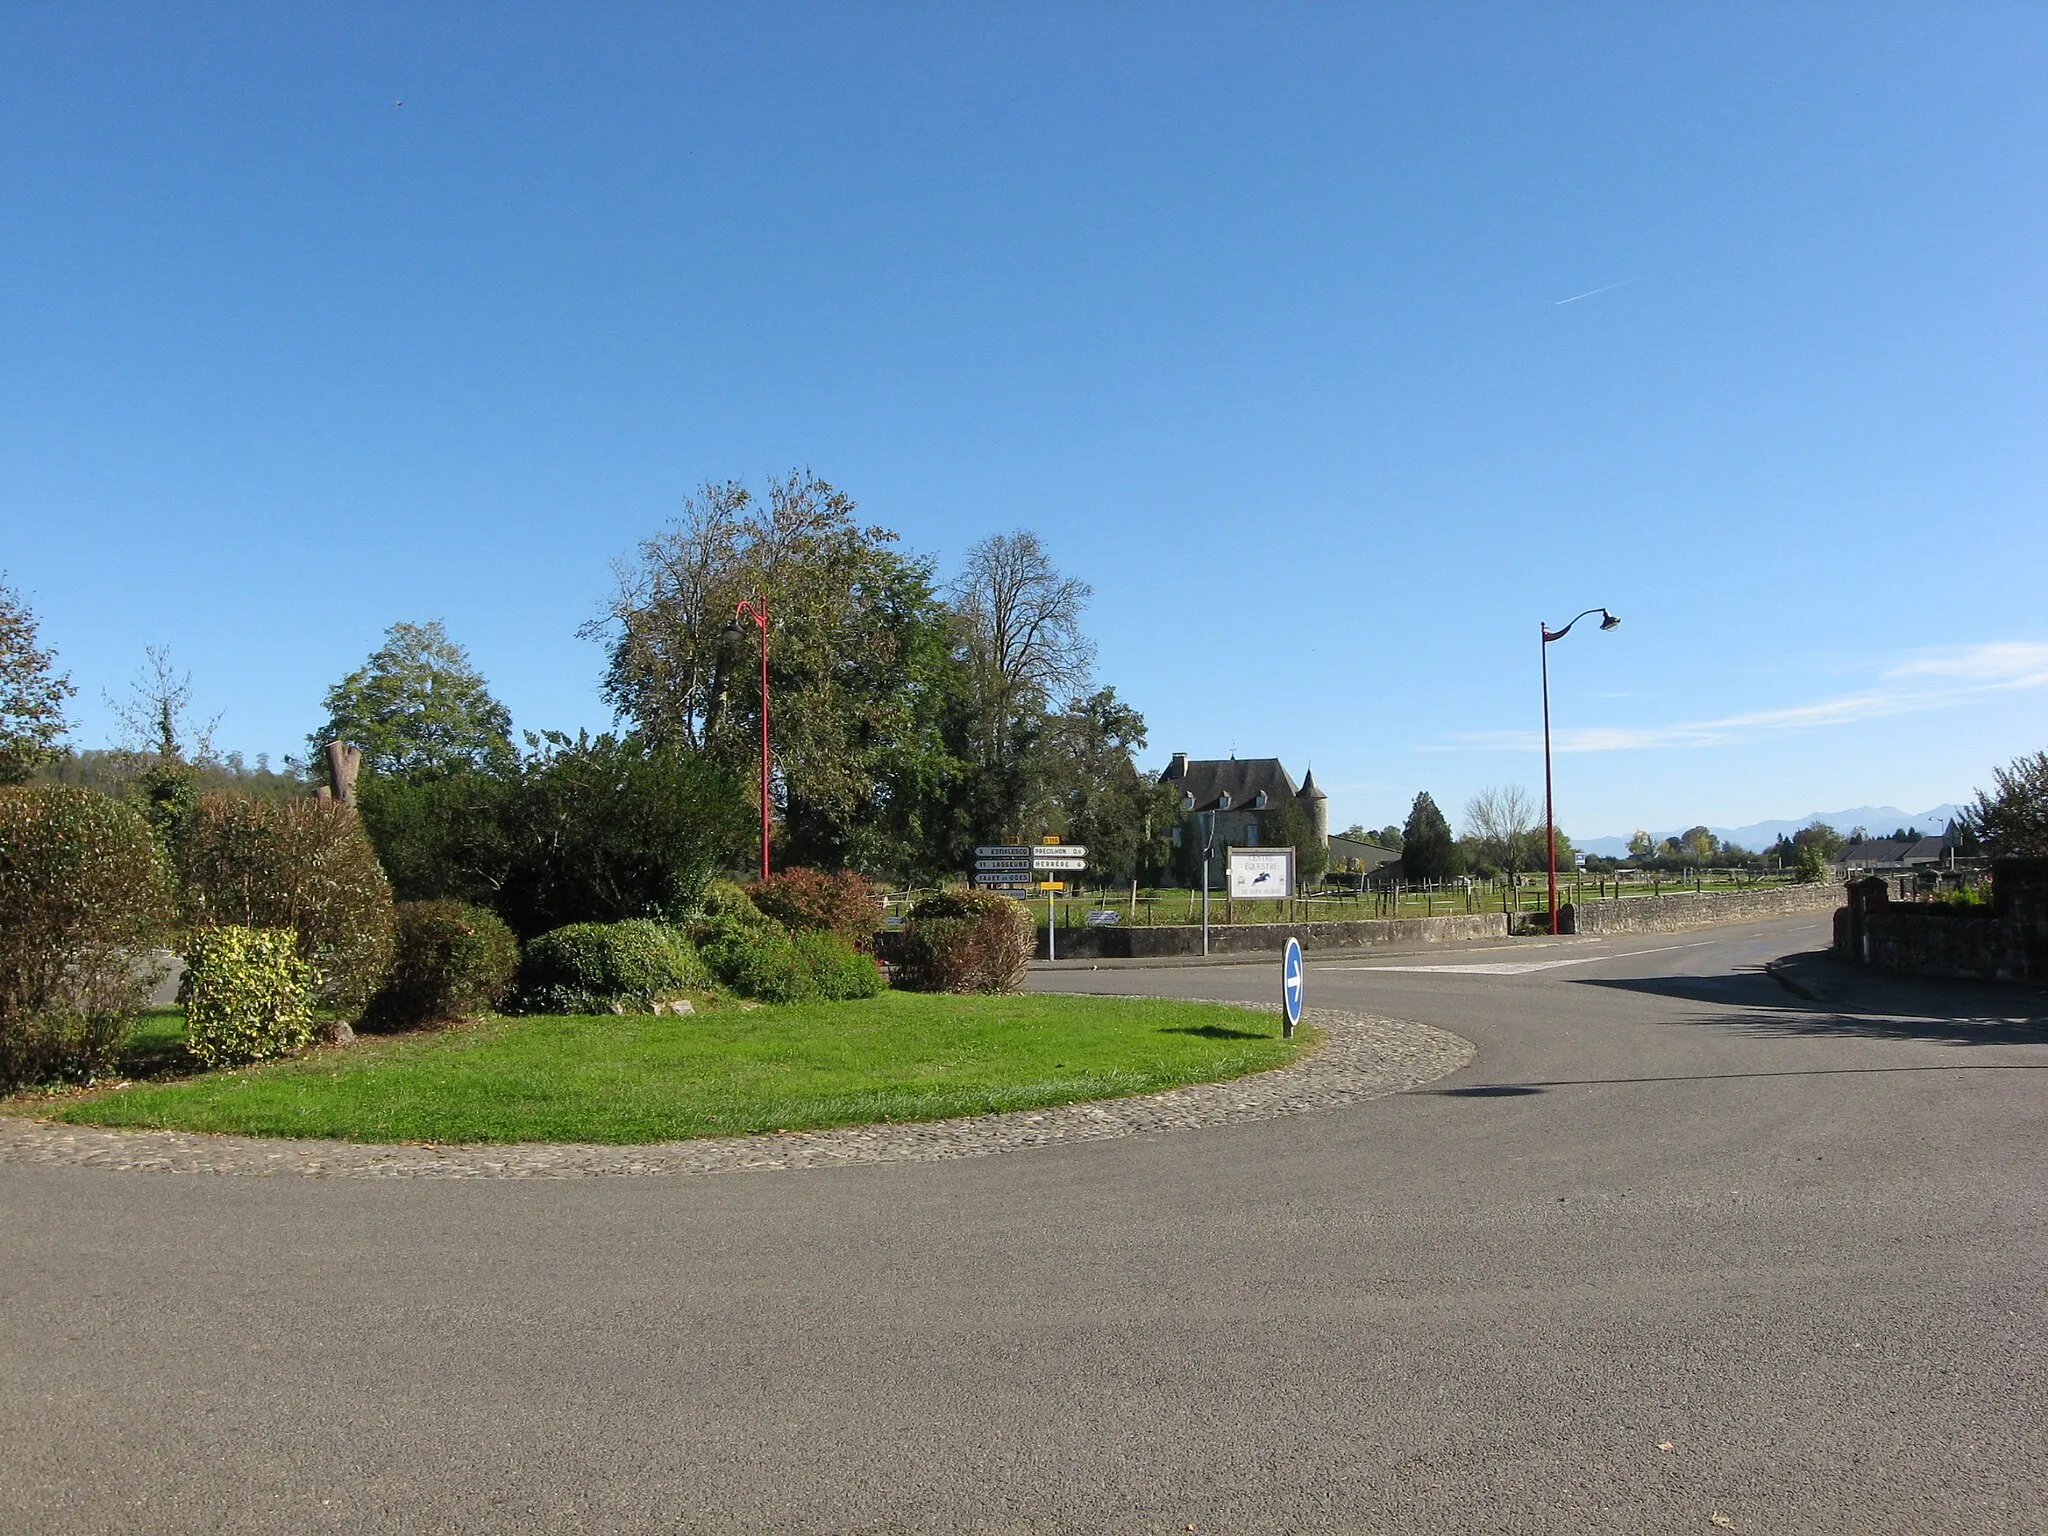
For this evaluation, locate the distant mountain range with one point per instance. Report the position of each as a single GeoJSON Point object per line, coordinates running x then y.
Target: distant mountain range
{"type": "Point", "coordinates": [1877, 820]}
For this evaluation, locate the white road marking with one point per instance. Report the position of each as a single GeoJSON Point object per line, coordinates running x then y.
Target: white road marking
{"type": "Point", "coordinates": [1517, 967]}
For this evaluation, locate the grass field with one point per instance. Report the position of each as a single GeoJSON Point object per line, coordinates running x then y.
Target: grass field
{"type": "Point", "coordinates": [901, 1056]}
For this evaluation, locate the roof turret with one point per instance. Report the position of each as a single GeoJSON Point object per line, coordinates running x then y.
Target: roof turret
{"type": "Point", "coordinates": [1309, 789]}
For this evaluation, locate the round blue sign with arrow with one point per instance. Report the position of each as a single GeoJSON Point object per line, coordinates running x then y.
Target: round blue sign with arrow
{"type": "Point", "coordinates": [1290, 985]}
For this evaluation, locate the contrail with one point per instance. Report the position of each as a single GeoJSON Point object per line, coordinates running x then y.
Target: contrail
{"type": "Point", "coordinates": [1591, 291]}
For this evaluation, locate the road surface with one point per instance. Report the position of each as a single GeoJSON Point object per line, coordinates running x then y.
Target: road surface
{"type": "Point", "coordinates": [1677, 1252]}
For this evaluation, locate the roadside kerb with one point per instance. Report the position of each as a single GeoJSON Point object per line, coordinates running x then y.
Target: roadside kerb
{"type": "Point", "coordinates": [1361, 1057]}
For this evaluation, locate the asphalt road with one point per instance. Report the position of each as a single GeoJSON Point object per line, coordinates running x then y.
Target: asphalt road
{"type": "Point", "coordinates": [1676, 1252]}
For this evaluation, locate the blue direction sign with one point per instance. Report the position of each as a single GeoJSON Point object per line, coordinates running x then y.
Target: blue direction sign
{"type": "Point", "coordinates": [1290, 985]}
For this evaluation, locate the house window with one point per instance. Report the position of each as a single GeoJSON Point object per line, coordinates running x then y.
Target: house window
{"type": "Point", "coordinates": [1251, 835]}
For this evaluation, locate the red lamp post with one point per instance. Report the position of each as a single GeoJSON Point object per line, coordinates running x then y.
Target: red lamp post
{"type": "Point", "coordinates": [1607, 621]}
{"type": "Point", "coordinates": [756, 608]}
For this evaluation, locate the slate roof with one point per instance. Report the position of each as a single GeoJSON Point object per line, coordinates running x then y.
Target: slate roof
{"type": "Point", "coordinates": [1243, 777]}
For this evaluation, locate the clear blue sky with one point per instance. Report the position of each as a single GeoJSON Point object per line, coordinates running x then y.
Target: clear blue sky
{"type": "Point", "coordinates": [1256, 314]}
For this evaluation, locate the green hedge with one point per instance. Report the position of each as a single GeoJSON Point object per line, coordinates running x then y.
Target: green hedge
{"type": "Point", "coordinates": [247, 995]}
{"type": "Point", "coordinates": [84, 898]}
{"type": "Point", "coordinates": [454, 961]}
{"type": "Point", "coordinates": [773, 966]}
{"type": "Point", "coordinates": [623, 967]}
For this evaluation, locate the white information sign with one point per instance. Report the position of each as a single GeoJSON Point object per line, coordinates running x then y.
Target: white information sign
{"type": "Point", "coordinates": [1260, 874]}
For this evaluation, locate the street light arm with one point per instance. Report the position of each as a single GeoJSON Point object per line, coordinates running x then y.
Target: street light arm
{"type": "Point", "coordinates": [1607, 621]}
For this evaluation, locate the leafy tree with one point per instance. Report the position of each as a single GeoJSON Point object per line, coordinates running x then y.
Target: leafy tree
{"type": "Point", "coordinates": [1387, 837]}
{"type": "Point", "coordinates": [1124, 817]}
{"type": "Point", "coordinates": [31, 694]}
{"type": "Point", "coordinates": [1290, 826]}
{"type": "Point", "coordinates": [165, 748]}
{"type": "Point", "coordinates": [1642, 845]}
{"type": "Point", "coordinates": [2013, 821]}
{"type": "Point", "coordinates": [417, 706]}
{"type": "Point", "coordinates": [1428, 852]}
{"type": "Point", "coordinates": [860, 665]}
{"type": "Point", "coordinates": [1699, 845]}
{"type": "Point", "coordinates": [583, 829]}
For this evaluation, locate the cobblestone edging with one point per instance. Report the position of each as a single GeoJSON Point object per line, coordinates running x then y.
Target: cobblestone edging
{"type": "Point", "coordinates": [1361, 1058]}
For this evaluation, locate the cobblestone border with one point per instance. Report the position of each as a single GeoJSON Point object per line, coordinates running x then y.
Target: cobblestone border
{"type": "Point", "coordinates": [1362, 1057]}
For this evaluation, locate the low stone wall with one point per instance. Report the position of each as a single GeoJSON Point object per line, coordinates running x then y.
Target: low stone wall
{"type": "Point", "coordinates": [2007, 942]}
{"type": "Point", "coordinates": [1680, 911]}
{"type": "Point", "coordinates": [1261, 938]}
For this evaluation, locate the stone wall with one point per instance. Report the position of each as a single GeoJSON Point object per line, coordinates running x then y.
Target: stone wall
{"type": "Point", "coordinates": [1262, 938]}
{"type": "Point", "coordinates": [2007, 942]}
{"type": "Point", "coordinates": [1680, 911]}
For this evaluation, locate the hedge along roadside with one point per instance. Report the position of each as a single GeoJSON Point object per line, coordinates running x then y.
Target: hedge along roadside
{"type": "Point", "coordinates": [453, 961]}
{"type": "Point", "coordinates": [302, 865]}
{"type": "Point", "coordinates": [83, 892]}
{"type": "Point", "coordinates": [963, 941]}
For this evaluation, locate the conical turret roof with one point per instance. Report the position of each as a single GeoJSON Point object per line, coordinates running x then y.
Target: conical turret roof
{"type": "Point", "coordinates": [1309, 790]}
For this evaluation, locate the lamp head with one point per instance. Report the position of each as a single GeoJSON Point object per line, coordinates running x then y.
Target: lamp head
{"type": "Point", "coordinates": [1608, 620]}
{"type": "Point", "coordinates": [732, 631]}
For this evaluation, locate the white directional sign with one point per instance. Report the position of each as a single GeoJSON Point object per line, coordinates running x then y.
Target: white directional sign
{"type": "Point", "coordinates": [1059, 863]}
{"type": "Point", "coordinates": [998, 850]}
{"type": "Point", "coordinates": [1059, 851]}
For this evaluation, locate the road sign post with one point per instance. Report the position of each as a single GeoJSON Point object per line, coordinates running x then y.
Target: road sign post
{"type": "Point", "coordinates": [1290, 987]}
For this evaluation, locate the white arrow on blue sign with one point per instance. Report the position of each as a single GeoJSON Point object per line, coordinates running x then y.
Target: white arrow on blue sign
{"type": "Point", "coordinates": [1291, 984]}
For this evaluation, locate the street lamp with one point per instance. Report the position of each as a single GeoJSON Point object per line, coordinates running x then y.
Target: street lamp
{"type": "Point", "coordinates": [756, 608]}
{"type": "Point", "coordinates": [1607, 621]}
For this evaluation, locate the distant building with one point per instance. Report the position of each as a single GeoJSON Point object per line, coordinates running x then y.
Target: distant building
{"type": "Point", "coordinates": [1899, 853]}
{"type": "Point", "coordinates": [1246, 794]}
{"type": "Point", "coordinates": [1352, 855]}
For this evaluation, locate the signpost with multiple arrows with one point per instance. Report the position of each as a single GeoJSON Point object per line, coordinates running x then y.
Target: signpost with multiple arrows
{"type": "Point", "coordinates": [1016, 869]}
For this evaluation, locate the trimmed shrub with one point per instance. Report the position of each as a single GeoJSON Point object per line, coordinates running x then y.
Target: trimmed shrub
{"type": "Point", "coordinates": [729, 901]}
{"type": "Point", "coordinates": [304, 865]}
{"type": "Point", "coordinates": [454, 961]}
{"type": "Point", "coordinates": [810, 901]}
{"type": "Point", "coordinates": [623, 967]}
{"type": "Point", "coordinates": [840, 972]}
{"type": "Point", "coordinates": [247, 995]}
{"type": "Point", "coordinates": [84, 898]}
{"type": "Point", "coordinates": [965, 941]}
{"type": "Point", "coordinates": [762, 963]}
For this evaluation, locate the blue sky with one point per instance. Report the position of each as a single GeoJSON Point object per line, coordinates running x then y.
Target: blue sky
{"type": "Point", "coordinates": [1266, 318]}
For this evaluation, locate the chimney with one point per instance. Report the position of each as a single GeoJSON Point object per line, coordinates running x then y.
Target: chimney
{"type": "Point", "coordinates": [1178, 768]}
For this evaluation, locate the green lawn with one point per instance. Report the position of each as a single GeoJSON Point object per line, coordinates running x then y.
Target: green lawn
{"type": "Point", "coordinates": [900, 1056]}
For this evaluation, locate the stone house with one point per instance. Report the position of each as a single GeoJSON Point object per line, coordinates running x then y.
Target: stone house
{"type": "Point", "coordinates": [1246, 794]}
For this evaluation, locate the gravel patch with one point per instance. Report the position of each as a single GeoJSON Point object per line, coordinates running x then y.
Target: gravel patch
{"type": "Point", "coordinates": [1361, 1058]}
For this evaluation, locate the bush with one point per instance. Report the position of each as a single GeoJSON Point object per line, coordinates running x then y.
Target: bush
{"type": "Point", "coordinates": [623, 967]}
{"type": "Point", "coordinates": [302, 865]}
{"type": "Point", "coordinates": [840, 972]}
{"type": "Point", "coordinates": [762, 963]}
{"type": "Point", "coordinates": [453, 961]}
{"type": "Point", "coordinates": [965, 941]}
{"type": "Point", "coordinates": [247, 994]}
{"type": "Point", "coordinates": [84, 898]}
{"type": "Point", "coordinates": [809, 901]}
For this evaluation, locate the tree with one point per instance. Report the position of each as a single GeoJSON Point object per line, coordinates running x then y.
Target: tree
{"type": "Point", "coordinates": [417, 706]}
{"type": "Point", "coordinates": [860, 665]}
{"type": "Point", "coordinates": [1699, 845]}
{"type": "Point", "coordinates": [1290, 826]}
{"type": "Point", "coordinates": [1502, 821]}
{"type": "Point", "coordinates": [163, 746]}
{"type": "Point", "coordinates": [1021, 626]}
{"type": "Point", "coordinates": [1428, 852]}
{"type": "Point", "coordinates": [2013, 821]}
{"type": "Point", "coordinates": [31, 694]}
{"type": "Point", "coordinates": [1642, 845]}
{"type": "Point", "coordinates": [582, 829]}
{"type": "Point", "coordinates": [1124, 818]}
